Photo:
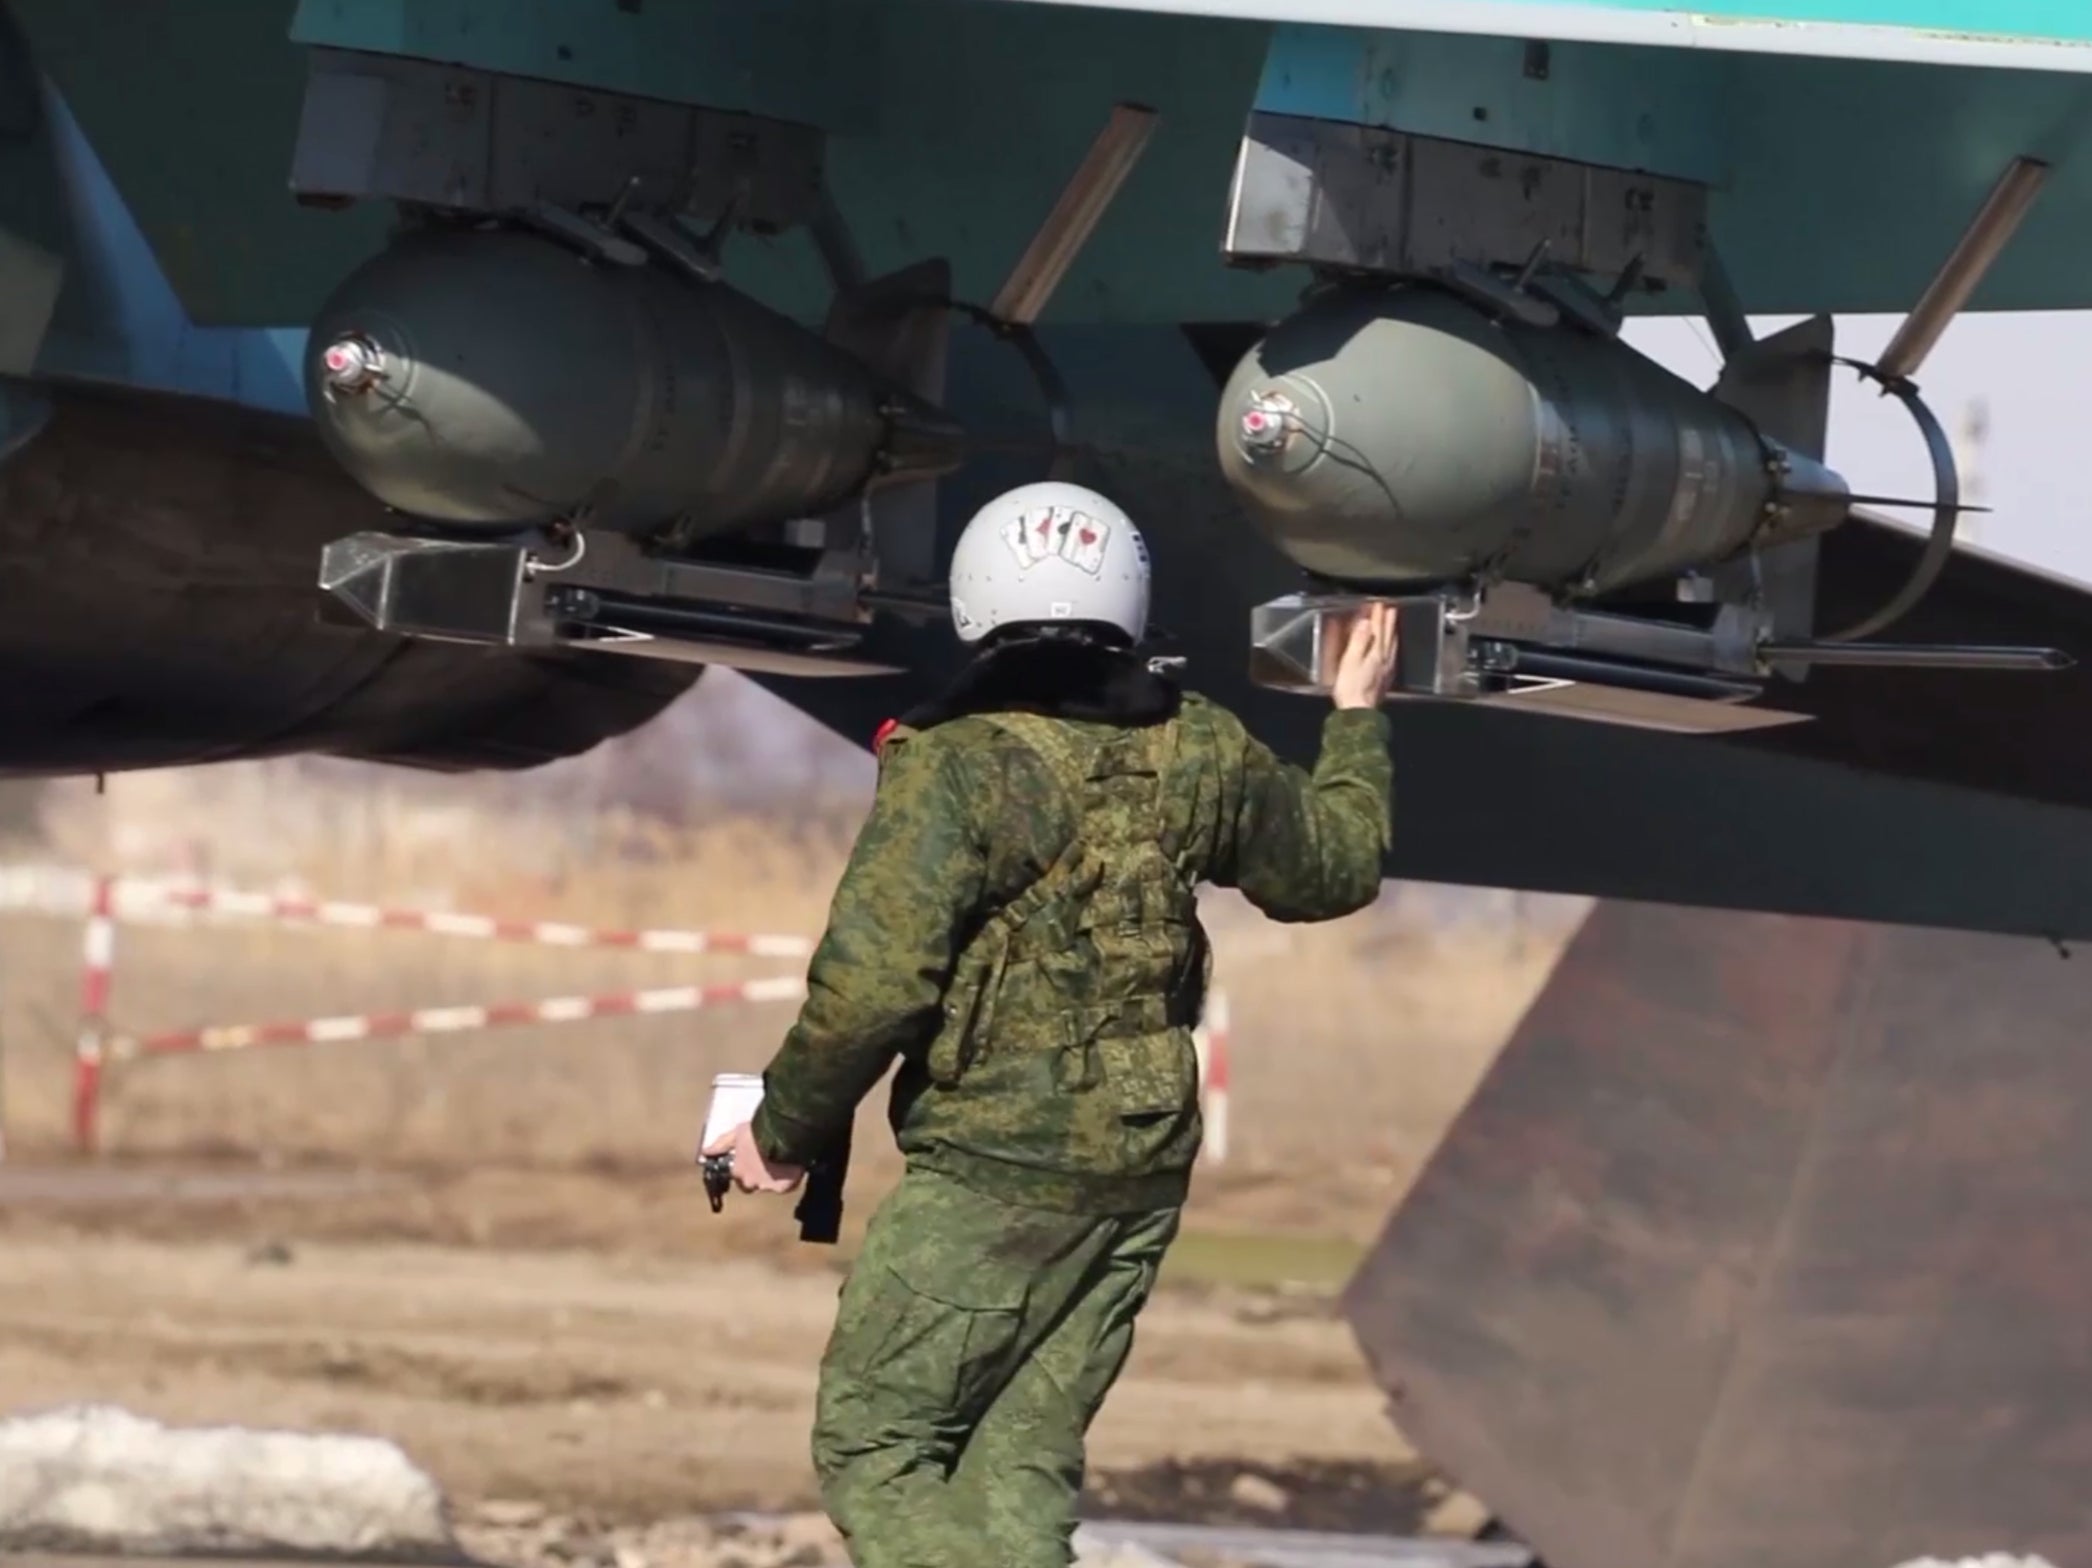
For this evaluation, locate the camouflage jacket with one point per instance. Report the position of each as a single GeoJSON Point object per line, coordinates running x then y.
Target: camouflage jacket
{"type": "Point", "coordinates": [976, 814]}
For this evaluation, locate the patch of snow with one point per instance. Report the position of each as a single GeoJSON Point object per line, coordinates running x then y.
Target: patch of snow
{"type": "Point", "coordinates": [1095, 1551]}
{"type": "Point", "coordinates": [98, 1478]}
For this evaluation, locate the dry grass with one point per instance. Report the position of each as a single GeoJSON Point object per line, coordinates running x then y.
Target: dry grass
{"type": "Point", "coordinates": [521, 1282]}
{"type": "Point", "coordinates": [1352, 1043]}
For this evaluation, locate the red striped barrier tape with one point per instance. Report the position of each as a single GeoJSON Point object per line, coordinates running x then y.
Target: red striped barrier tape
{"type": "Point", "coordinates": [292, 910]}
{"type": "Point", "coordinates": [453, 1020]}
{"type": "Point", "coordinates": [97, 959]}
{"type": "Point", "coordinates": [111, 897]}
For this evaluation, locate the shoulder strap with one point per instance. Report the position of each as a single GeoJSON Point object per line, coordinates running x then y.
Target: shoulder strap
{"type": "Point", "coordinates": [1078, 761]}
{"type": "Point", "coordinates": [1086, 769]}
{"type": "Point", "coordinates": [1068, 757]}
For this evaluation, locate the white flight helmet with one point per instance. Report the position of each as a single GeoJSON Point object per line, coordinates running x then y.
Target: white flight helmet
{"type": "Point", "coordinates": [1045, 553]}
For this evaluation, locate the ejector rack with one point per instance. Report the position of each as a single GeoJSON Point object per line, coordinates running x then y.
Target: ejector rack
{"type": "Point", "coordinates": [1566, 526]}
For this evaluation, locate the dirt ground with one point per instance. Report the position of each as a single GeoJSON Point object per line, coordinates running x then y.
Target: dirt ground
{"type": "Point", "coordinates": [623, 1384]}
{"type": "Point", "coordinates": [490, 1248]}
{"type": "Point", "coordinates": [491, 1251]}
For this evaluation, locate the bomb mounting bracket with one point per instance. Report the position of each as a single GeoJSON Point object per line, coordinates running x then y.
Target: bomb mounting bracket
{"type": "Point", "coordinates": [613, 596]}
{"type": "Point", "coordinates": [1512, 646]}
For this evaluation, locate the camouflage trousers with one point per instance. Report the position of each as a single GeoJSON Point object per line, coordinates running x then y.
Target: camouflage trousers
{"type": "Point", "coordinates": [973, 1345]}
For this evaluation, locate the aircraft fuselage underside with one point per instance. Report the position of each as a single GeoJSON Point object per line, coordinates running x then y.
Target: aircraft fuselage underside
{"type": "Point", "coordinates": [633, 340]}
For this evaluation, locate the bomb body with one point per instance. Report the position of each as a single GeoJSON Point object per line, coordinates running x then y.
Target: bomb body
{"type": "Point", "coordinates": [1402, 437]}
{"type": "Point", "coordinates": [493, 379]}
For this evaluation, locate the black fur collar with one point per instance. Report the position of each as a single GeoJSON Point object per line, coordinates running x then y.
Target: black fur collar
{"type": "Point", "coordinates": [1061, 679]}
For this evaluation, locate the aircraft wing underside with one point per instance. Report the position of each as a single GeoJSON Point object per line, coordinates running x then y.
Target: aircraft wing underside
{"type": "Point", "coordinates": [1844, 142]}
{"type": "Point", "coordinates": [1146, 191]}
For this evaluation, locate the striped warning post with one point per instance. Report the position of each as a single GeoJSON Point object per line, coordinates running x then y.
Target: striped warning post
{"type": "Point", "coordinates": [291, 910]}
{"type": "Point", "coordinates": [132, 897]}
{"type": "Point", "coordinates": [455, 1020]}
{"type": "Point", "coordinates": [97, 958]}
{"type": "Point", "coordinates": [1211, 1041]}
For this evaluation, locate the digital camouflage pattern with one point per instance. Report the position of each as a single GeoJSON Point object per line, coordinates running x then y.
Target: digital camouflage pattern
{"type": "Point", "coordinates": [1016, 925]}
{"type": "Point", "coordinates": [974, 1343]}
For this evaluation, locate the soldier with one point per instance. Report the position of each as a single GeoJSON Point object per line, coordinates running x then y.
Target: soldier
{"type": "Point", "coordinates": [1017, 927]}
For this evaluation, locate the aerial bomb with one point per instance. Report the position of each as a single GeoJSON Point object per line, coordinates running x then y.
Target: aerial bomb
{"type": "Point", "coordinates": [490, 379]}
{"type": "Point", "coordinates": [1386, 437]}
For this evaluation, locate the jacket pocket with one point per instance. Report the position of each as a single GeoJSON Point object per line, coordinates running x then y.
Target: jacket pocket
{"type": "Point", "coordinates": [927, 1331]}
{"type": "Point", "coordinates": [1150, 1074]}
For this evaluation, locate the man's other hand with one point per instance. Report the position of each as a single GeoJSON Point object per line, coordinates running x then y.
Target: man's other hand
{"type": "Point", "coordinates": [1369, 659]}
{"type": "Point", "coordinates": [753, 1173]}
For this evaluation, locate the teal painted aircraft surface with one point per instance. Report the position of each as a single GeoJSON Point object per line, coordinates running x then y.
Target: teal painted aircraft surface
{"type": "Point", "coordinates": [1837, 180]}
{"type": "Point", "coordinates": [452, 307]}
